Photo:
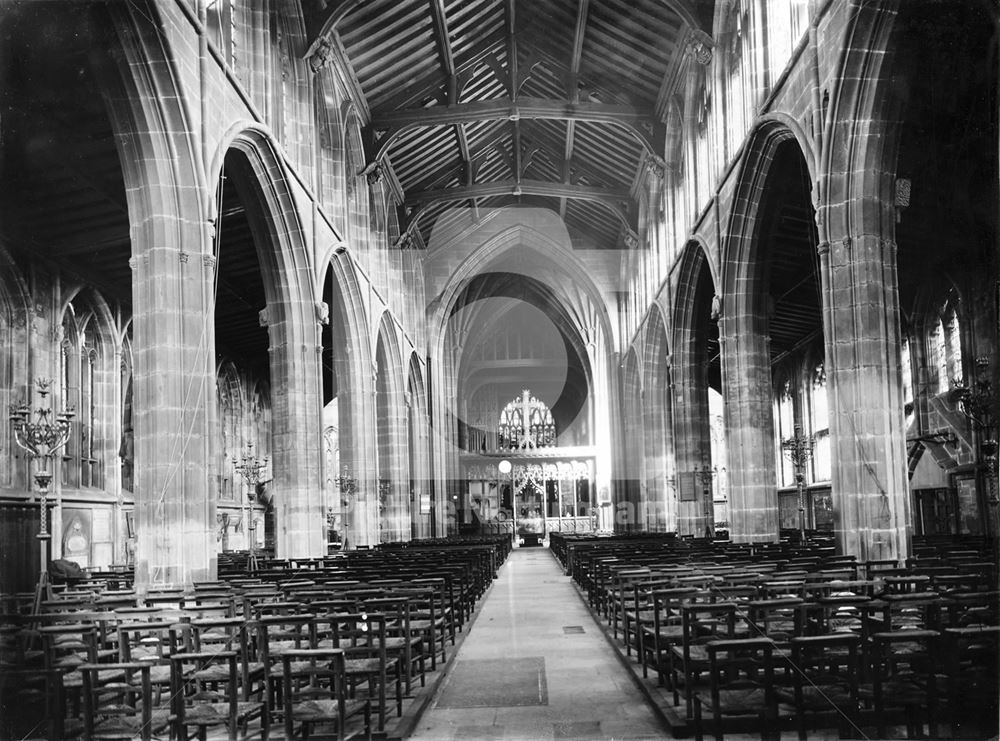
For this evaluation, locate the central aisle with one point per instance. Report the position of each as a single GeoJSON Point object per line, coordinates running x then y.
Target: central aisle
{"type": "Point", "coordinates": [536, 666]}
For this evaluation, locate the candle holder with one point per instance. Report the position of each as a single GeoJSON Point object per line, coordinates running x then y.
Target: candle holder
{"type": "Point", "coordinates": [41, 437]}
{"type": "Point", "coordinates": [252, 469]}
{"type": "Point", "coordinates": [978, 403]}
{"type": "Point", "coordinates": [799, 449]}
{"type": "Point", "coordinates": [346, 484]}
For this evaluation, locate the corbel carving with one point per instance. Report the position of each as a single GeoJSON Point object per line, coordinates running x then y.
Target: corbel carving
{"type": "Point", "coordinates": [321, 57]}
{"type": "Point", "coordinates": [323, 313]}
{"type": "Point", "coordinates": [699, 46]}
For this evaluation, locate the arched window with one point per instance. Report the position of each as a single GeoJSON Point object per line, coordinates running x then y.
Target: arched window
{"type": "Point", "coordinates": [513, 434]}
{"type": "Point", "coordinates": [84, 383]}
{"type": "Point", "coordinates": [230, 400]}
{"type": "Point", "coordinates": [89, 463]}
{"type": "Point", "coordinates": [944, 346]}
{"type": "Point", "coordinates": [786, 429]}
{"type": "Point", "coordinates": [906, 366]}
{"type": "Point", "coordinates": [820, 424]}
{"type": "Point", "coordinates": [953, 347]}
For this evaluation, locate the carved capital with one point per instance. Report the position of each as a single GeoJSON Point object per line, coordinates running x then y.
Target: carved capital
{"type": "Point", "coordinates": [823, 248]}
{"type": "Point", "coordinates": [208, 261]}
{"type": "Point", "coordinates": [631, 240]}
{"type": "Point", "coordinates": [184, 257]}
{"type": "Point", "coordinates": [375, 174]}
{"type": "Point", "coordinates": [264, 318]}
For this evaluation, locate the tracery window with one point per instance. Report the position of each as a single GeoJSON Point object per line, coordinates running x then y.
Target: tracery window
{"type": "Point", "coordinates": [944, 346]}
{"type": "Point", "coordinates": [540, 431]}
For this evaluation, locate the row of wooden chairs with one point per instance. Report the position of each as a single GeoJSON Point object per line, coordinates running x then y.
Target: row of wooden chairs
{"type": "Point", "coordinates": [804, 641]}
{"type": "Point", "coordinates": [389, 629]}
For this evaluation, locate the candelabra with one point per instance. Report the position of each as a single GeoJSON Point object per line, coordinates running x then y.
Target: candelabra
{"type": "Point", "coordinates": [347, 485]}
{"type": "Point", "coordinates": [979, 404]}
{"type": "Point", "coordinates": [706, 475]}
{"type": "Point", "coordinates": [41, 438]}
{"type": "Point", "coordinates": [799, 449]}
{"type": "Point", "coordinates": [252, 469]}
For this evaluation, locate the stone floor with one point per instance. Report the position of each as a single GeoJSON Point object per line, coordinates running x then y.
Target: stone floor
{"type": "Point", "coordinates": [536, 666]}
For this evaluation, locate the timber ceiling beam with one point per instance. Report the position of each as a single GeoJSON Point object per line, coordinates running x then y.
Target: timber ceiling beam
{"type": "Point", "coordinates": [614, 201]}
{"type": "Point", "coordinates": [616, 198]}
{"type": "Point", "coordinates": [641, 124]}
{"type": "Point", "coordinates": [442, 37]}
{"type": "Point", "coordinates": [513, 76]}
{"type": "Point", "coordinates": [573, 91]}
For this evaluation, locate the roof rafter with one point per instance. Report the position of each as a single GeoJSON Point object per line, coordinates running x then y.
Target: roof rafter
{"type": "Point", "coordinates": [434, 85]}
{"type": "Point", "coordinates": [641, 124]}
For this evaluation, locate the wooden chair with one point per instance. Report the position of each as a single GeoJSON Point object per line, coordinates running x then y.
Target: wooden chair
{"type": "Point", "coordinates": [207, 692]}
{"type": "Point", "coordinates": [701, 623]}
{"type": "Point", "coordinates": [314, 691]}
{"type": "Point", "coordinates": [903, 687]}
{"type": "Point", "coordinates": [118, 702]}
{"type": "Point", "coordinates": [825, 679]}
{"type": "Point", "coordinates": [972, 657]}
{"type": "Point", "coordinates": [409, 641]}
{"type": "Point", "coordinates": [740, 692]}
{"type": "Point", "coordinates": [363, 638]}
{"type": "Point", "coordinates": [657, 640]}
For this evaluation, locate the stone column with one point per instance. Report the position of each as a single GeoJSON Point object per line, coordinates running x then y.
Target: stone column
{"type": "Point", "coordinates": [296, 413]}
{"type": "Point", "coordinates": [749, 423]}
{"type": "Point", "coordinates": [868, 439]}
{"type": "Point", "coordinates": [692, 440]}
{"type": "Point", "coordinates": [174, 403]}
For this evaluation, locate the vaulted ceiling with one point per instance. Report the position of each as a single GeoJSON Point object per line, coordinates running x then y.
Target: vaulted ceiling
{"type": "Point", "coordinates": [489, 103]}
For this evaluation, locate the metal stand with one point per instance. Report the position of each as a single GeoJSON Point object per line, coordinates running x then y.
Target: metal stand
{"type": "Point", "coordinates": [43, 589]}
{"type": "Point", "coordinates": [252, 566]}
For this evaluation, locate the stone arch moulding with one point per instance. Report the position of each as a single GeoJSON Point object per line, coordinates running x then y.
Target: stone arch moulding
{"type": "Point", "coordinates": [857, 102]}
{"type": "Point", "coordinates": [294, 336]}
{"type": "Point", "coordinates": [393, 457]}
{"type": "Point", "coordinates": [738, 241]}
